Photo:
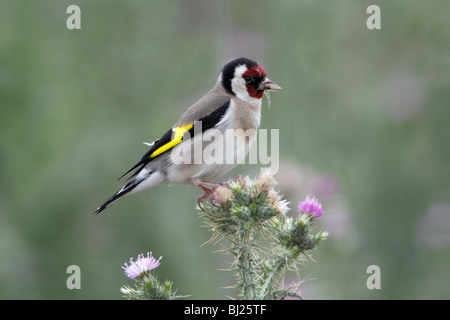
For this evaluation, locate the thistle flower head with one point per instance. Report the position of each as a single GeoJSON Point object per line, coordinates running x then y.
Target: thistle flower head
{"type": "Point", "coordinates": [142, 266]}
{"type": "Point", "coordinates": [311, 206]}
{"type": "Point", "coordinates": [266, 180]}
{"type": "Point", "coordinates": [221, 195]}
{"type": "Point", "coordinates": [267, 184]}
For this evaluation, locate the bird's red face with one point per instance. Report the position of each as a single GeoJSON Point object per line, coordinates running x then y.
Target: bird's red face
{"type": "Point", "coordinates": [253, 78]}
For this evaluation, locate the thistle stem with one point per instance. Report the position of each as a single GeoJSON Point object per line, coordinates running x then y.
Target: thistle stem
{"type": "Point", "coordinates": [245, 266]}
{"type": "Point", "coordinates": [282, 262]}
{"type": "Point", "coordinates": [247, 275]}
{"type": "Point", "coordinates": [267, 286]}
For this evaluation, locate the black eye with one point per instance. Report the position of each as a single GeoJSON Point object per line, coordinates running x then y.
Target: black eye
{"type": "Point", "coordinates": [248, 79]}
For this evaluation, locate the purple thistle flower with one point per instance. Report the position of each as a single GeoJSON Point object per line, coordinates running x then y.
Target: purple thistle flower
{"type": "Point", "coordinates": [311, 206]}
{"type": "Point", "coordinates": [142, 265]}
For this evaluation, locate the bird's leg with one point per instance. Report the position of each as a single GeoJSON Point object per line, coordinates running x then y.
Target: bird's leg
{"type": "Point", "coordinates": [211, 185]}
{"type": "Point", "coordinates": [207, 193]}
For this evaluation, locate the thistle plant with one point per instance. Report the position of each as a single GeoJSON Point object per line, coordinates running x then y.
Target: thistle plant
{"type": "Point", "coordinates": [250, 215]}
{"type": "Point", "coordinates": [249, 218]}
{"type": "Point", "coordinates": [147, 286]}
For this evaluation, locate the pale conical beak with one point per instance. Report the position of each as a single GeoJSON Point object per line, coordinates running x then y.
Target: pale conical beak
{"type": "Point", "coordinates": [268, 85]}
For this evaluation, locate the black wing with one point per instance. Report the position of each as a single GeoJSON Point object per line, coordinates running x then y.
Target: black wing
{"type": "Point", "coordinates": [167, 142]}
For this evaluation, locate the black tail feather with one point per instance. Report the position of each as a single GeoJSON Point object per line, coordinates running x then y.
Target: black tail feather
{"type": "Point", "coordinates": [120, 194]}
{"type": "Point", "coordinates": [104, 205]}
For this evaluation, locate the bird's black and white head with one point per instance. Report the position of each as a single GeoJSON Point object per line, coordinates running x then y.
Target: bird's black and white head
{"type": "Point", "coordinates": [246, 79]}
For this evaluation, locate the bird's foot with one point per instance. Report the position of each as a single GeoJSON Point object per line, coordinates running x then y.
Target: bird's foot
{"type": "Point", "coordinates": [208, 188]}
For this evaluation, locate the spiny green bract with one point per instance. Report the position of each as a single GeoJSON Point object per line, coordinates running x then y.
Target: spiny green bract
{"type": "Point", "coordinates": [149, 288]}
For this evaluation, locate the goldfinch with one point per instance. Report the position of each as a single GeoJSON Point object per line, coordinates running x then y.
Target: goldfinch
{"type": "Point", "coordinates": [230, 110]}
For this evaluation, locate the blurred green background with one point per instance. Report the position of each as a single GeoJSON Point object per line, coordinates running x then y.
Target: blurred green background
{"type": "Point", "coordinates": [363, 118]}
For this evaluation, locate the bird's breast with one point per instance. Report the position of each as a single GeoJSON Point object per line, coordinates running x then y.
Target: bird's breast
{"type": "Point", "coordinates": [242, 115]}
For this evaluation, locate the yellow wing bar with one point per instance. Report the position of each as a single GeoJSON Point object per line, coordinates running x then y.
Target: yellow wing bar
{"type": "Point", "coordinates": [177, 137]}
